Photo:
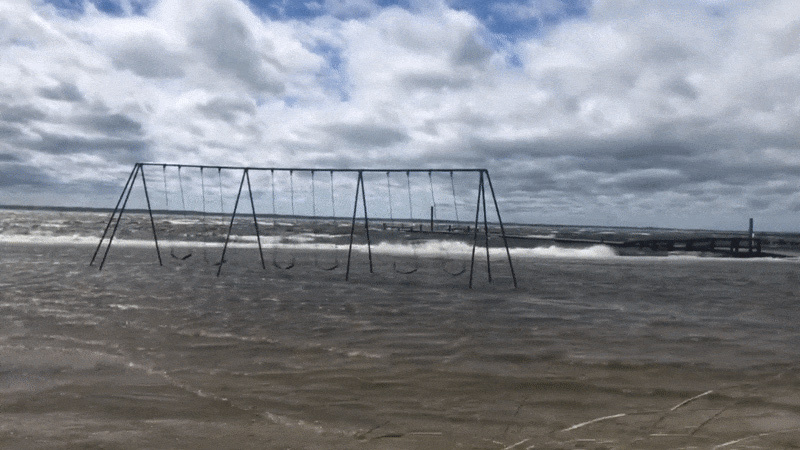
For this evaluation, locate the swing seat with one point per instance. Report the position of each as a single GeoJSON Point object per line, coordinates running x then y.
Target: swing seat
{"type": "Point", "coordinates": [404, 272]}
{"type": "Point", "coordinates": [456, 272]}
{"type": "Point", "coordinates": [333, 267]}
{"type": "Point", "coordinates": [182, 258]}
{"type": "Point", "coordinates": [318, 265]}
{"type": "Point", "coordinates": [287, 267]}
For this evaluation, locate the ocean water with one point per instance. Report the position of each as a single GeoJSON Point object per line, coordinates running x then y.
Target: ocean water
{"type": "Point", "coordinates": [592, 350]}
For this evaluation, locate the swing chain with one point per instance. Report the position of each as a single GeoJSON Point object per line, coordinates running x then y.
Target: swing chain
{"type": "Point", "coordinates": [389, 188]}
{"type": "Point", "coordinates": [291, 187]}
{"type": "Point", "coordinates": [333, 200]}
{"type": "Point", "coordinates": [166, 197]}
{"type": "Point", "coordinates": [180, 183]}
{"type": "Point", "coordinates": [313, 196]}
{"type": "Point", "coordinates": [455, 204]}
{"type": "Point", "coordinates": [221, 205]}
{"type": "Point", "coordinates": [272, 180]}
{"type": "Point", "coordinates": [410, 203]}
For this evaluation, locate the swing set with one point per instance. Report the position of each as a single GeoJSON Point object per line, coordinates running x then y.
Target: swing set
{"type": "Point", "coordinates": [447, 227]}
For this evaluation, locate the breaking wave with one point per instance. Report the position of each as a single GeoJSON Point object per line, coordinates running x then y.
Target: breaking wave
{"type": "Point", "coordinates": [554, 251]}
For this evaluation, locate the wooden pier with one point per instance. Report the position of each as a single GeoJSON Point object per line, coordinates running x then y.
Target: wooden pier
{"type": "Point", "coordinates": [732, 246]}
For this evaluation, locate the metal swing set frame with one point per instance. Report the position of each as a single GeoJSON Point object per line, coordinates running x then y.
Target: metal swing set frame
{"type": "Point", "coordinates": [360, 197]}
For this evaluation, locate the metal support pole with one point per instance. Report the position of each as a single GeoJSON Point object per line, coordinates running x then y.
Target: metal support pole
{"type": "Point", "coordinates": [475, 232]}
{"type": "Point", "coordinates": [119, 217]}
{"type": "Point", "coordinates": [230, 227]}
{"type": "Point", "coordinates": [366, 219]}
{"type": "Point", "coordinates": [352, 228]}
{"type": "Point", "coordinates": [502, 230]}
{"type": "Point", "coordinates": [113, 213]}
{"type": "Point", "coordinates": [150, 212]}
{"type": "Point", "coordinates": [255, 221]}
{"type": "Point", "coordinates": [486, 231]}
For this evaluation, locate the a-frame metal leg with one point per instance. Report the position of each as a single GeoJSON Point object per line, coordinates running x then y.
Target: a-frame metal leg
{"type": "Point", "coordinates": [255, 221]}
{"type": "Point", "coordinates": [502, 230]}
{"type": "Point", "coordinates": [119, 217]}
{"type": "Point", "coordinates": [150, 212]}
{"type": "Point", "coordinates": [486, 231]}
{"type": "Point", "coordinates": [230, 227]}
{"type": "Point", "coordinates": [113, 213]}
{"type": "Point", "coordinates": [352, 228]}
{"type": "Point", "coordinates": [475, 231]}
{"type": "Point", "coordinates": [366, 220]}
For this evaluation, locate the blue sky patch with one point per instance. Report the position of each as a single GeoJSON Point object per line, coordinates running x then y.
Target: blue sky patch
{"type": "Point", "coordinates": [110, 7]}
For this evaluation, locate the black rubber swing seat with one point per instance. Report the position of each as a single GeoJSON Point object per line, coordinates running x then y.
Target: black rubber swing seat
{"type": "Point", "coordinates": [182, 258]}
{"type": "Point", "coordinates": [286, 267]}
{"type": "Point", "coordinates": [404, 272]}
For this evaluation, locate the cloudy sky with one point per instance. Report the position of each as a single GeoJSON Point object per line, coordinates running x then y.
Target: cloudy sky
{"type": "Point", "coordinates": [611, 112]}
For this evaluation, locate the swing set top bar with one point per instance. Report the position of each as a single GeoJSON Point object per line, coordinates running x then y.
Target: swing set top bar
{"type": "Point", "coordinates": [306, 169]}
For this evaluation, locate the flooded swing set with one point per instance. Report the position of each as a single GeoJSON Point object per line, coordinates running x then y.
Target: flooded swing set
{"type": "Point", "coordinates": [289, 189]}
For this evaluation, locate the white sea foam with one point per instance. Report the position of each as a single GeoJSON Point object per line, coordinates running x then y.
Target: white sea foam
{"type": "Point", "coordinates": [430, 248]}
{"type": "Point", "coordinates": [123, 307]}
{"type": "Point", "coordinates": [554, 251]}
{"type": "Point", "coordinates": [686, 256]}
{"type": "Point", "coordinates": [47, 239]}
{"type": "Point", "coordinates": [541, 236]}
{"type": "Point", "coordinates": [183, 221]}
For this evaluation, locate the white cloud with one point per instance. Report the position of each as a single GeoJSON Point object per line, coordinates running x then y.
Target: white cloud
{"type": "Point", "coordinates": [652, 102]}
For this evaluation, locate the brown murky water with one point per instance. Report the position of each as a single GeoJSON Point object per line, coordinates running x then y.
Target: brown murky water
{"type": "Point", "coordinates": [589, 352]}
